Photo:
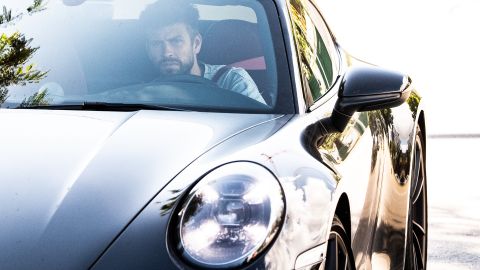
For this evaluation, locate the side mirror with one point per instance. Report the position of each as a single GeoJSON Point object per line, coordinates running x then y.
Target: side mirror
{"type": "Point", "coordinates": [368, 88]}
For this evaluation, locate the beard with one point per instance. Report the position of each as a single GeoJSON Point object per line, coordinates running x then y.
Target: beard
{"type": "Point", "coordinates": [175, 66]}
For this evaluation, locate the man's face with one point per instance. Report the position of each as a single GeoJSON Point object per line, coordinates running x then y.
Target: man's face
{"type": "Point", "coordinates": [172, 49]}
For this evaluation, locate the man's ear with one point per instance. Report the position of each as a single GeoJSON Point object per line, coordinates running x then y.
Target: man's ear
{"type": "Point", "coordinates": [197, 43]}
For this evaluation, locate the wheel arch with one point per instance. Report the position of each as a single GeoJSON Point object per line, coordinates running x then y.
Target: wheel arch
{"type": "Point", "coordinates": [423, 130]}
{"type": "Point", "coordinates": [343, 212]}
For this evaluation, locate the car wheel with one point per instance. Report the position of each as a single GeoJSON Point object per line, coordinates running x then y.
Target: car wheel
{"type": "Point", "coordinates": [339, 252]}
{"type": "Point", "coordinates": [417, 229]}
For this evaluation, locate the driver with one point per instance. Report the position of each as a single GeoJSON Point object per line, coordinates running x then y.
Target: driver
{"type": "Point", "coordinates": [173, 43]}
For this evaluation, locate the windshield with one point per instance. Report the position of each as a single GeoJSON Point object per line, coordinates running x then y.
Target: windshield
{"type": "Point", "coordinates": [225, 56]}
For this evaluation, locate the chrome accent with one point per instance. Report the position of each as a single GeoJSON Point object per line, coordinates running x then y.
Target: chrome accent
{"type": "Point", "coordinates": [311, 257]}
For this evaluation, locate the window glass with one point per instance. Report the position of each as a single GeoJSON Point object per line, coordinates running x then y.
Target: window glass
{"type": "Point", "coordinates": [317, 65]}
{"type": "Point", "coordinates": [328, 51]}
{"type": "Point", "coordinates": [204, 55]}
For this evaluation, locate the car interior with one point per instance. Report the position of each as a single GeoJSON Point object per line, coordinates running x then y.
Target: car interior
{"type": "Point", "coordinates": [94, 51]}
{"type": "Point", "coordinates": [123, 60]}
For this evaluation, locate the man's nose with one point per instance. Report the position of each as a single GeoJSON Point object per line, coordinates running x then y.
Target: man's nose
{"type": "Point", "coordinates": [167, 50]}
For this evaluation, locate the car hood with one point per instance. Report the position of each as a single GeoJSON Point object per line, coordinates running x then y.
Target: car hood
{"type": "Point", "coordinates": [70, 181]}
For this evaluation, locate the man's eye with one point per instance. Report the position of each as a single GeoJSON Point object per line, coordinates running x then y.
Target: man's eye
{"type": "Point", "coordinates": [177, 41]}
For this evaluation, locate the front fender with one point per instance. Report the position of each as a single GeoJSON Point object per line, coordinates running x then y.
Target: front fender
{"type": "Point", "coordinates": [398, 127]}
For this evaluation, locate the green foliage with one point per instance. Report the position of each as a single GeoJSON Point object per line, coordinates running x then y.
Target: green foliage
{"type": "Point", "coordinates": [14, 55]}
{"type": "Point", "coordinates": [37, 99]}
{"type": "Point", "coordinates": [3, 95]}
{"type": "Point", "coordinates": [6, 15]}
{"type": "Point", "coordinates": [413, 102]}
{"type": "Point", "coordinates": [38, 5]}
{"type": "Point", "coordinates": [16, 52]}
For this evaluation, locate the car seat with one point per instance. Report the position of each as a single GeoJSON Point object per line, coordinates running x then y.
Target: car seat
{"type": "Point", "coordinates": [237, 43]}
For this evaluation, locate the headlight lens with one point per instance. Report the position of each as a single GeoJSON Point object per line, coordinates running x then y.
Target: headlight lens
{"type": "Point", "coordinates": [230, 216]}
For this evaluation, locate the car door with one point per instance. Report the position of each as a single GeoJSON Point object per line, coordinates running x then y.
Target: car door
{"type": "Point", "coordinates": [351, 154]}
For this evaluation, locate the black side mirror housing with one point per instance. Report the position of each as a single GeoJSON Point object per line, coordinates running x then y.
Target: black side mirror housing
{"type": "Point", "coordinates": [368, 88]}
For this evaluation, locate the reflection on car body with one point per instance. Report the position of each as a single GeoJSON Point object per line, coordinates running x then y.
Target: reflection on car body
{"type": "Point", "coordinates": [130, 144]}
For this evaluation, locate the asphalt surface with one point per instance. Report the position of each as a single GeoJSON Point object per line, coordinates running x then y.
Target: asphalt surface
{"type": "Point", "coordinates": [437, 43]}
{"type": "Point", "coordinates": [454, 203]}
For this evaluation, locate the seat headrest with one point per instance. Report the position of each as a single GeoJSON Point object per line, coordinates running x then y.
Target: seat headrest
{"type": "Point", "coordinates": [231, 41]}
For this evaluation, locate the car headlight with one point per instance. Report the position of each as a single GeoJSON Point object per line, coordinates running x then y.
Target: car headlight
{"type": "Point", "coordinates": [229, 217]}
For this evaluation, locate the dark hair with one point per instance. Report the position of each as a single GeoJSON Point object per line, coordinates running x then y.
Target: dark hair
{"type": "Point", "coordinates": [167, 12]}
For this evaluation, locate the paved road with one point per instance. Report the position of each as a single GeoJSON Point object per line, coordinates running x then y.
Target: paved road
{"type": "Point", "coordinates": [437, 42]}
{"type": "Point", "coordinates": [454, 198]}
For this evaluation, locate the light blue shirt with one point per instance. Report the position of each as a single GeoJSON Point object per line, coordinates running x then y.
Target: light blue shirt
{"type": "Point", "coordinates": [235, 79]}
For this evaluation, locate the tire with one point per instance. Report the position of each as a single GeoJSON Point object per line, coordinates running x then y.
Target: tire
{"type": "Point", "coordinates": [417, 226]}
{"type": "Point", "coordinates": [339, 252]}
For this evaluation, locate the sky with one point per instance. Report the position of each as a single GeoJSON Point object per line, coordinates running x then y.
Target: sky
{"type": "Point", "coordinates": [435, 42]}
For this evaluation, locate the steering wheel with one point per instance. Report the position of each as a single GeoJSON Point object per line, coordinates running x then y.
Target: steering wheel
{"type": "Point", "coordinates": [185, 78]}
{"type": "Point", "coordinates": [186, 91]}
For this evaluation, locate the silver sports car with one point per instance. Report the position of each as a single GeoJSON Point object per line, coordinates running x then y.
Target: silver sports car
{"type": "Point", "coordinates": [202, 134]}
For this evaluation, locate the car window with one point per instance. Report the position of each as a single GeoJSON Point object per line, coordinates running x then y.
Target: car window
{"type": "Point", "coordinates": [114, 52]}
{"type": "Point", "coordinates": [316, 48]}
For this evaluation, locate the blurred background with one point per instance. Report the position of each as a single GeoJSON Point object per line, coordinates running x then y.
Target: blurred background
{"type": "Point", "coordinates": [437, 43]}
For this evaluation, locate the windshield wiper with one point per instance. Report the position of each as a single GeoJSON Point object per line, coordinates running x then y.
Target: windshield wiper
{"type": "Point", "coordinates": [103, 106]}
